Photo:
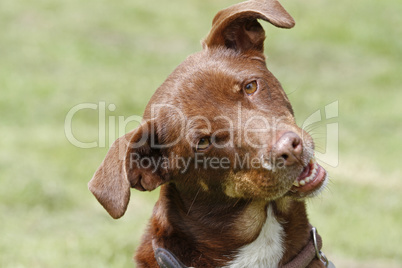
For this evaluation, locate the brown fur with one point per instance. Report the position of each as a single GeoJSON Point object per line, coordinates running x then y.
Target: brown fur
{"type": "Point", "coordinates": [204, 215]}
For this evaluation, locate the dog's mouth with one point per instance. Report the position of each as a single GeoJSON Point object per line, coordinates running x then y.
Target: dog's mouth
{"type": "Point", "coordinates": [311, 179]}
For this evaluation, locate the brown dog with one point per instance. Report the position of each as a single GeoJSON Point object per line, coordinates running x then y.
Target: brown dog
{"type": "Point", "coordinates": [219, 135]}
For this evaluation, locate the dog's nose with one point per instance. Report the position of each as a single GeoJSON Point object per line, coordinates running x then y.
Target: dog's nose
{"type": "Point", "coordinates": [288, 149]}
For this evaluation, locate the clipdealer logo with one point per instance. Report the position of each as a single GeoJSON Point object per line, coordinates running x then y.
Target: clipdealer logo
{"type": "Point", "coordinates": [108, 126]}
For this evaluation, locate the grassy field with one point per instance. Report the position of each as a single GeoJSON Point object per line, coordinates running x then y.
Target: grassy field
{"type": "Point", "coordinates": [55, 55]}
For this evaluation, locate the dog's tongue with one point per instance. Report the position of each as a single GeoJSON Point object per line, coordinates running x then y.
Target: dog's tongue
{"type": "Point", "coordinates": [311, 178]}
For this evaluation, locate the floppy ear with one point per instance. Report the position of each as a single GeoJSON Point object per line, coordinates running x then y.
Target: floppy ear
{"type": "Point", "coordinates": [237, 27]}
{"type": "Point", "coordinates": [130, 162]}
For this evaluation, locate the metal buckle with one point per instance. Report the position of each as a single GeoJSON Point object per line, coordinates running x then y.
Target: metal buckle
{"type": "Point", "coordinates": [319, 254]}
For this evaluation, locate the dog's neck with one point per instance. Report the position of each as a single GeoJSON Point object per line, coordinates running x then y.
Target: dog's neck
{"type": "Point", "coordinates": [201, 229]}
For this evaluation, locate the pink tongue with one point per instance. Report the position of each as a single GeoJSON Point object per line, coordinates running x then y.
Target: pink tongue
{"type": "Point", "coordinates": [304, 173]}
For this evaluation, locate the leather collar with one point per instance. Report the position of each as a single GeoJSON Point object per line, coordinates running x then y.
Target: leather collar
{"type": "Point", "coordinates": [311, 250]}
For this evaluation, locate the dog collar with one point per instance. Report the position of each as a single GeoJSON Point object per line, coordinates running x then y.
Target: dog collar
{"type": "Point", "coordinates": [167, 259]}
{"type": "Point", "coordinates": [310, 251]}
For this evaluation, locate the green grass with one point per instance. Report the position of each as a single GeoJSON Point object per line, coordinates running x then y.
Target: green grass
{"type": "Point", "coordinates": [57, 54]}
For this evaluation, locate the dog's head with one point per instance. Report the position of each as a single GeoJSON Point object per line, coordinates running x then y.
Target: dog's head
{"type": "Point", "coordinates": [221, 122]}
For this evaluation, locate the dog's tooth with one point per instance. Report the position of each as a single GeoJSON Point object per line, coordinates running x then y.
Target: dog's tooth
{"type": "Point", "coordinates": [296, 183]}
{"type": "Point", "coordinates": [313, 174]}
{"type": "Point", "coordinates": [302, 182]}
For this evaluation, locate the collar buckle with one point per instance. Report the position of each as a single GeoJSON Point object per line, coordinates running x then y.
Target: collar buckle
{"type": "Point", "coordinates": [318, 253]}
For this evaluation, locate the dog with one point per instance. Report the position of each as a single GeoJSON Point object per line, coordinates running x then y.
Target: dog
{"type": "Point", "coordinates": [220, 138]}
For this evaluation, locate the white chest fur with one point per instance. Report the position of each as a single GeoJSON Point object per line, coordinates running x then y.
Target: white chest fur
{"type": "Point", "coordinates": [264, 252]}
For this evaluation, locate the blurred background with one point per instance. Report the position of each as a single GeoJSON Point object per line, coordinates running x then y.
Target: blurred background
{"type": "Point", "coordinates": [109, 57]}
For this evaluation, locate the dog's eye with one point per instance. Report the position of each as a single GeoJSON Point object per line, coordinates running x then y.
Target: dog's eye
{"type": "Point", "coordinates": [251, 88]}
{"type": "Point", "coordinates": [203, 144]}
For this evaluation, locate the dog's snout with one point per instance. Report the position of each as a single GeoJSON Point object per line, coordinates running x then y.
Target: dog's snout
{"type": "Point", "coordinates": [288, 148]}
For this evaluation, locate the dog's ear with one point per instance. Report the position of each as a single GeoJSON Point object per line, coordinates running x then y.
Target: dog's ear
{"type": "Point", "coordinates": [237, 27]}
{"type": "Point", "coordinates": [130, 162]}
